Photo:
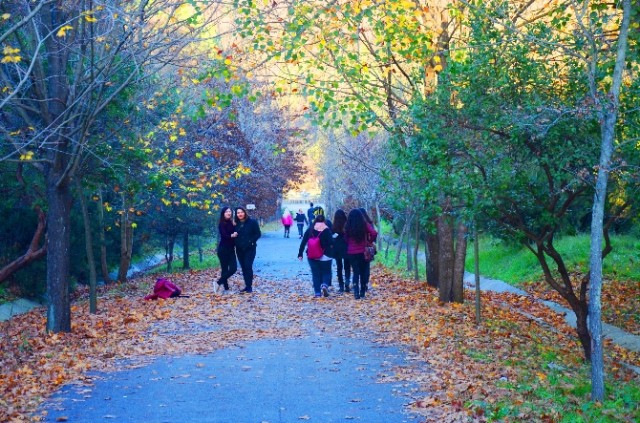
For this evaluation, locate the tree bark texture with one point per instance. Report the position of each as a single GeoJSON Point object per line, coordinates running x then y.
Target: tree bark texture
{"type": "Point", "coordinates": [58, 262]}
{"type": "Point", "coordinates": [595, 263]}
{"type": "Point", "coordinates": [104, 267]}
{"type": "Point", "coordinates": [88, 242]}
{"type": "Point", "coordinates": [126, 242]}
{"type": "Point", "coordinates": [185, 250]}
{"type": "Point", "coordinates": [445, 258]}
{"type": "Point", "coordinates": [458, 265]}
{"type": "Point", "coordinates": [432, 260]}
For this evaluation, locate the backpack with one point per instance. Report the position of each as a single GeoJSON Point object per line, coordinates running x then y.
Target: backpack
{"type": "Point", "coordinates": [314, 248]}
{"type": "Point", "coordinates": [164, 289]}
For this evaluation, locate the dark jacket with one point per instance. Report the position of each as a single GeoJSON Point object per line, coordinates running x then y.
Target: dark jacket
{"type": "Point", "coordinates": [325, 241]}
{"type": "Point", "coordinates": [301, 218]}
{"type": "Point", "coordinates": [339, 245]}
{"type": "Point", "coordinates": [248, 234]}
{"type": "Point", "coordinates": [226, 228]}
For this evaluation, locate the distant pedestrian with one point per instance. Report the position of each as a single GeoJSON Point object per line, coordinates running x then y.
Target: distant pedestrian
{"type": "Point", "coordinates": [226, 248]}
{"type": "Point", "coordinates": [340, 251]}
{"type": "Point", "coordinates": [287, 221]}
{"type": "Point", "coordinates": [246, 242]}
{"type": "Point", "coordinates": [318, 211]}
{"type": "Point", "coordinates": [319, 262]}
{"type": "Point", "coordinates": [301, 220]}
{"type": "Point", "coordinates": [310, 213]}
{"type": "Point", "coordinates": [358, 233]}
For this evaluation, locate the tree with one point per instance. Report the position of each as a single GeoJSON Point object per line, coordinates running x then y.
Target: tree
{"type": "Point", "coordinates": [83, 55]}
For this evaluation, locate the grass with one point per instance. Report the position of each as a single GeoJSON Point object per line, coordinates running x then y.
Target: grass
{"type": "Point", "coordinates": [516, 264]}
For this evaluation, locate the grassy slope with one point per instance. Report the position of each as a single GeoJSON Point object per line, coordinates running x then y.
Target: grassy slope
{"type": "Point", "coordinates": [516, 264]}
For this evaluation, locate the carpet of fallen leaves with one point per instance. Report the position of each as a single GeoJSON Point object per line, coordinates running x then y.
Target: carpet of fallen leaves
{"type": "Point", "coordinates": [620, 300]}
{"type": "Point", "coordinates": [456, 363]}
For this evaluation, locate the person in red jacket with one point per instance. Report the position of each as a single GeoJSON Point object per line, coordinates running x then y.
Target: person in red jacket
{"type": "Point", "coordinates": [358, 234]}
{"type": "Point", "coordinates": [287, 221]}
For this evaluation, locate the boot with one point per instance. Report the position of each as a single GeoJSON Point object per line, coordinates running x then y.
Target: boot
{"type": "Point", "coordinates": [347, 282]}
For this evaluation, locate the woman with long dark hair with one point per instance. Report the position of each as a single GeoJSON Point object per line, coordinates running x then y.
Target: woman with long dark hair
{"type": "Point", "coordinates": [340, 251]}
{"type": "Point", "coordinates": [246, 242]}
{"type": "Point", "coordinates": [358, 233]}
{"type": "Point", "coordinates": [226, 248]}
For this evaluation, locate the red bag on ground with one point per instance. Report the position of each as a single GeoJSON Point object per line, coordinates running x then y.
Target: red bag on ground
{"type": "Point", "coordinates": [164, 289]}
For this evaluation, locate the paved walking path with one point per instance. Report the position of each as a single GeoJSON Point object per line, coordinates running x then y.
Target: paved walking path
{"type": "Point", "coordinates": [322, 376]}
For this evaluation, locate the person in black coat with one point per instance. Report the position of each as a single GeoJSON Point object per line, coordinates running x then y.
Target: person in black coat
{"type": "Point", "coordinates": [301, 220]}
{"type": "Point", "coordinates": [248, 234]}
{"type": "Point", "coordinates": [226, 248]}
{"type": "Point", "coordinates": [340, 251]}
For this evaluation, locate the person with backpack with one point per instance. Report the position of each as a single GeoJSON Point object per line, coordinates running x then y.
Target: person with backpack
{"type": "Point", "coordinates": [318, 241]}
{"type": "Point", "coordinates": [246, 242]}
{"type": "Point", "coordinates": [340, 251]}
{"type": "Point", "coordinates": [301, 220]}
{"type": "Point", "coordinates": [226, 248]}
{"type": "Point", "coordinates": [358, 234]}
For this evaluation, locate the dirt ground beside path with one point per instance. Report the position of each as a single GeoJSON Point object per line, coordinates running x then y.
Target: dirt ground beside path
{"type": "Point", "coordinates": [465, 372]}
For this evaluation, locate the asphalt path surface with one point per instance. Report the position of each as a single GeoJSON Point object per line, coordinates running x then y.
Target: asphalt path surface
{"type": "Point", "coordinates": [319, 377]}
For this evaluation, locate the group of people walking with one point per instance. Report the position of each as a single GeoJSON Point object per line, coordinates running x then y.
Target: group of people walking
{"type": "Point", "coordinates": [344, 241]}
{"type": "Point", "coordinates": [239, 235]}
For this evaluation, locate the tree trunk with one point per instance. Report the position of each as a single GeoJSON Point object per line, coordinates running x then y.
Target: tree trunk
{"type": "Point", "coordinates": [104, 267]}
{"type": "Point", "coordinates": [33, 253]}
{"type": "Point", "coordinates": [126, 241]}
{"type": "Point", "coordinates": [88, 242]}
{"type": "Point", "coordinates": [58, 261]}
{"type": "Point", "coordinates": [432, 259]}
{"type": "Point", "coordinates": [445, 259]}
{"type": "Point", "coordinates": [458, 266]}
{"type": "Point", "coordinates": [168, 254]}
{"type": "Point", "coordinates": [185, 250]}
{"type": "Point", "coordinates": [379, 226]}
{"type": "Point", "coordinates": [476, 264]}
{"type": "Point", "coordinates": [416, 273]}
{"type": "Point", "coordinates": [595, 263]}
{"type": "Point", "coordinates": [400, 244]}
{"type": "Point", "coordinates": [200, 250]}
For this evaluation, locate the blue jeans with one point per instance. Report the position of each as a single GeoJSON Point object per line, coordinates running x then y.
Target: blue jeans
{"type": "Point", "coordinates": [320, 274]}
{"type": "Point", "coordinates": [360, 269]}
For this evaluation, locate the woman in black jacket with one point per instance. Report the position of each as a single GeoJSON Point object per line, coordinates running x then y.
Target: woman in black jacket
{"type": "Point", "coordinates": [321, 264]}
{"type": "Point", "coordinates": [340, 251]}
{"type": "Point", "coordinates": [248, 234]}
{"type": "Point", "coordinates": [226, 248]}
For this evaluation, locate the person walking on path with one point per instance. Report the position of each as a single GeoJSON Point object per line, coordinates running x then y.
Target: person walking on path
{"type": "Point", "coordinates": [340, 251]}
{"type": "Point", "coordinates": [319, 261]}
{"type": "Point", "coordinates": [301, 220]}
{"type": "Point", "coordinates": [287, 221]}
{"type": "Point", "coordinates": [226, 248]}
{"type": "Point", "coordinates": [358, 233]}
{"type": "Point", "coordinates": [310, 214]}
{"type": "Point", "coordinates": [246, 241]}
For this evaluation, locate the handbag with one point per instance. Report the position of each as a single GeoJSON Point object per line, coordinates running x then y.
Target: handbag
{"type": "Point", "coordinates": [370, 250]}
